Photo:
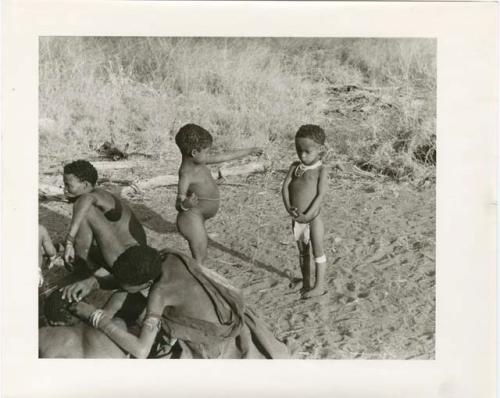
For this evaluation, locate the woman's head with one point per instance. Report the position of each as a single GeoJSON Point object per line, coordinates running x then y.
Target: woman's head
{"type": "Point", "coordinates": [137, 267]}
{"type": "Point", "coordinates": [79, 177]}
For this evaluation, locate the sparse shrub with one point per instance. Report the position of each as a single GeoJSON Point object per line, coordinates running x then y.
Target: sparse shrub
{"type": "Point", "coordinates": [375, 98]}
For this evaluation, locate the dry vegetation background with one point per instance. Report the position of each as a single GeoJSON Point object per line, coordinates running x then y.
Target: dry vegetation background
{"type": "Point", "coordinates": [375, 98]}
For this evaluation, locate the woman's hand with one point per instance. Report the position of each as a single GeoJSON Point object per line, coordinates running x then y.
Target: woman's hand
{"type": "Point", "coordinates": [79, 290]}
{"type": "Point", "coordinates": [69, 253]}
{"type": "Point", "coordinates": [82, 310]}
{"type": "Point", "coordinates": [56, 260]}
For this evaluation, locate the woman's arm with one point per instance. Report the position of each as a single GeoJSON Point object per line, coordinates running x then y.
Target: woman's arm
{"type": "Point", "coordinates": [115, 303]}
{"type": "Point", "coordinates": [80, 209]}
{"type": "Point", "coordinates": [316, 203]}
{"type": "Point", "coordinates": [232, 155]}
{"type": "Point", "coordinates": [139, 346]}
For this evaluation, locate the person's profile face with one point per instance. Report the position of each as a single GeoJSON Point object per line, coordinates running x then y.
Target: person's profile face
{"type": "Point", "coordinates": [308, 150]}
{"type": "Point", "coordinates": [73, 186]}
{"type": "Point", "coordinates": [200, 155]}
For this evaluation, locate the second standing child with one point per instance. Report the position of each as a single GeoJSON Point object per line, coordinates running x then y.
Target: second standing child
{"type": "Point", "coordinates": [198, 196]}
{"type": "Point", "coordinates": [303, 191]}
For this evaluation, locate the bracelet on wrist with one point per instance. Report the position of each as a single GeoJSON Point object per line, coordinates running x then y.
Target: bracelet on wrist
{"type": "Point", "coordinates": [96, 317]}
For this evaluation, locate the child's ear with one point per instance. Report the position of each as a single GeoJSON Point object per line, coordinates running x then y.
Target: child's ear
{"type": "Point", "coordinates": [194, 152]}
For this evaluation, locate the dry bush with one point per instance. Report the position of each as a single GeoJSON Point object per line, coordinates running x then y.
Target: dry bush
{"type": "Point", "coordinates": [246, 92]}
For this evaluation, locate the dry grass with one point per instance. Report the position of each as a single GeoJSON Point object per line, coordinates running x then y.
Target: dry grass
{"type": "Point", "coordinates": [246, 92]}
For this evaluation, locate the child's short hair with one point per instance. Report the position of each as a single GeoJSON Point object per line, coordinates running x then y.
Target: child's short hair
{"type": "Point", "coordinates": [137, 265]}
{"type": "Point", "coordinates": [191, 136]}
{"type": "Point", "coordinates": [313, 132]}
{"type": "Point", "coordinates": [83, 170]}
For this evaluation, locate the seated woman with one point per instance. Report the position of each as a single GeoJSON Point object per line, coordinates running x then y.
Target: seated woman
{"type": "Point", "coordinates": [189, 315]}
{"type": "Point", "coordinates": [102, 227]}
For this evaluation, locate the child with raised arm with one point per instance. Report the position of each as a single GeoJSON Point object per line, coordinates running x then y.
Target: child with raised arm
{"type": "Point", "coordinates": [198, 195]}
{"type": "Point", "coordinates": [303, 190]}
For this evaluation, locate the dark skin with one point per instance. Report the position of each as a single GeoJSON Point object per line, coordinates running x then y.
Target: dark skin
{"type": "Point", "coordinates": [46, 248]}
{"type": "Point", "coordinates": [89, 224]}
{"type": "Point", "coordinates": [302, 195]}
{"type": "Point", "coordinates": [198, 196]}
{"type": "Point", "coordinates": [175, 288]}
{"type": "Point", "coordinates": [81, 340]}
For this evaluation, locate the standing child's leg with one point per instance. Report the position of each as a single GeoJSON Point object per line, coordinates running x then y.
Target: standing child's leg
{"type": "Point", "coordinates": [305, 265]}
{"type": "Point", "coordinates": [191, 226]}
{"type": "Point", "coordinates": [317, 235]}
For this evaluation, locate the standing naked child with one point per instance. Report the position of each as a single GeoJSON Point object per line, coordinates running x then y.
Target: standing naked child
{"type": "Point", "coordinates": [303, 190]}
{"type": "Point", "coordinates": [102, 227]}
{"type": "Point", "coordinates": [198, 195]}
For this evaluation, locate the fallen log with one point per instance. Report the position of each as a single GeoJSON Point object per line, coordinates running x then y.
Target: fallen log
{"type": "Point", "coordinates": [244, 169]}
{"type": "Point", "coordinates": [52, 192]}
{"type": "Point", "coordinates": [169, 180]}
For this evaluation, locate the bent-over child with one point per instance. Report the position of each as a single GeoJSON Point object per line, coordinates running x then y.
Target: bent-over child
{"type": "Point", "coordinates": [198, 196]}
{"type": "Point", "coordinates": [303, 191]}
{"type": "Point", "coordinates": [102, 227]}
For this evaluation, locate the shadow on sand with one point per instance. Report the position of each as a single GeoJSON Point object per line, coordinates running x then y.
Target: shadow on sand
{"type": "Point", "coordinates": [57, 225]}
{"type": "Point", "coordinates": [152, 220]}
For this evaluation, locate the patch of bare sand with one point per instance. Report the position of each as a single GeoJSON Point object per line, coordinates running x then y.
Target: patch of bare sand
{"type": "Point", "coordinates": [380, 245]}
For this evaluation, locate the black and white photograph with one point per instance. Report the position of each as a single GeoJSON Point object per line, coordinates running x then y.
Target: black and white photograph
{"type": "Point", "coordinates": [312, 183]}
{"type": "Point", "coordinates": [237, 197]}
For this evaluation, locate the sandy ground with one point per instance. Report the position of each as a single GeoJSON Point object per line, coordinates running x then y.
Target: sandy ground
{"type": "Point", "coordinates": [380, 245]}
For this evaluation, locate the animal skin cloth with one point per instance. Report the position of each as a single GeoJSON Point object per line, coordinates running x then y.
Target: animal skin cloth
{"type": "Point", "coordinates": [239, 333]}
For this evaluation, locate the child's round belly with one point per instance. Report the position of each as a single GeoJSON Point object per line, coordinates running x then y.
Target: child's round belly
{"type": "Point", "coordinates": [301, 200]}
{"type": "Point", "coordinates": [208, 207]}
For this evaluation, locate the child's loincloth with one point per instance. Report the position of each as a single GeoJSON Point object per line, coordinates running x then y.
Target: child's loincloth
{"type": "Point", "coordinates": [301, 232]}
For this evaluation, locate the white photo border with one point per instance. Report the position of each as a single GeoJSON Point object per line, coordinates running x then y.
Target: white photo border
{"type": "Point", "coordinates": [467, 124]}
